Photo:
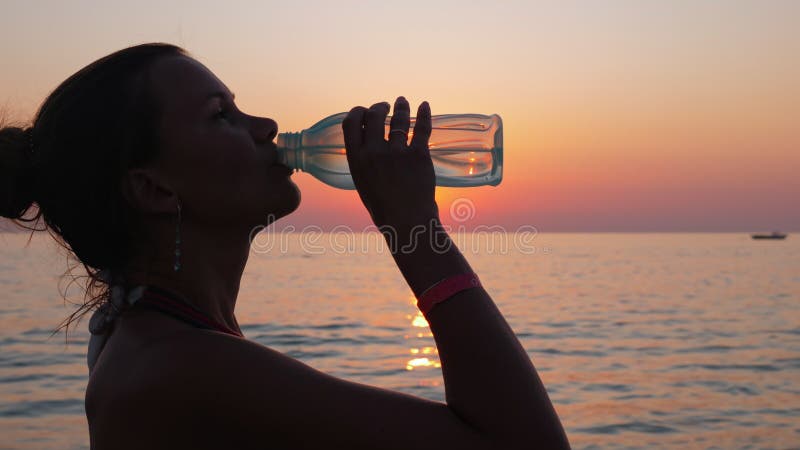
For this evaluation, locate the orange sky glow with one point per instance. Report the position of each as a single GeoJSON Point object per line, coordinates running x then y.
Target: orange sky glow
{"type": "Point", "coordinates": [618, 116]}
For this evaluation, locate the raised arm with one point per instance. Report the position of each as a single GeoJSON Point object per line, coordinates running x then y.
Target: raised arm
{"type": "Point", "coordinates": [490, 382]}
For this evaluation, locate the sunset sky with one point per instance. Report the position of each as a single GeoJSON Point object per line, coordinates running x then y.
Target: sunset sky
{"type": "Point", "coordinates": [619, 116]}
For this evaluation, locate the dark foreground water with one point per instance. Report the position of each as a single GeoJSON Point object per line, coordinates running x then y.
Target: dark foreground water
{"type": "Point", "coordinates": [643, 340]}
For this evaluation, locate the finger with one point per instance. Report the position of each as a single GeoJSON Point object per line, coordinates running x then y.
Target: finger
{"type": "Point", "coordinates": [353, 129]}
{"type": "Point", "coordinates": [398, 128]}
{"type": "Point", "coordinates": [422, 129]}
{"type": "Point", "coordinates": [375, 122]}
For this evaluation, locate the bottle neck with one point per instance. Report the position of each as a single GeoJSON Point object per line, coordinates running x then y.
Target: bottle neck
{"type": "Point", "coordinates": [289, 150]}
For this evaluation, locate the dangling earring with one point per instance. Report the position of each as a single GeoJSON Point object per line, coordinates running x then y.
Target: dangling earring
{"type": "Point", "coordinates": [177, 265]}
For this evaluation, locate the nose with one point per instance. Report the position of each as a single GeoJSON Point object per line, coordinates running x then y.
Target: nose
{"type": "Point", "coordinates": [263, 129]}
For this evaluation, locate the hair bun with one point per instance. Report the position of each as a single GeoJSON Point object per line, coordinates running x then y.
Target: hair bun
{"type": "Point", "coordinates": [16, 174]}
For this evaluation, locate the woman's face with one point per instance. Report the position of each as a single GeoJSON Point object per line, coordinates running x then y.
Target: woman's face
{"type": "Point", "coordinates": [222, 163]}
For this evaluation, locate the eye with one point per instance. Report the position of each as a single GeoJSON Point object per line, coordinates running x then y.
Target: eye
{"type": "Point", "coordinates": [221, 114]}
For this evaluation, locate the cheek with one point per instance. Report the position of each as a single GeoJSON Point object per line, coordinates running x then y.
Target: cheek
{"type": "Point", "coordinates": [233, 181]}
{"type": "Point", "coordinates": [247, 188]}
{"type": "Point", "coordinates": [239, 179]}
{"type": "Point", "coordinates": [225, 180]}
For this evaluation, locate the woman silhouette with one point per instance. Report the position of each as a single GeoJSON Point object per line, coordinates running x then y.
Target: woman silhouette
{"type": "Point", "coordinates": [143, 167]}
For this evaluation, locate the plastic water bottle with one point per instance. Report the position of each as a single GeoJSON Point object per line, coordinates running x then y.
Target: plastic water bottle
{"type": "Point", "coordinates": [466, 150]}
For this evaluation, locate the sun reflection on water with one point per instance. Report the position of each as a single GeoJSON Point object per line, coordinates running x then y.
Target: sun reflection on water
{"type": "Point", "coordinates": [420, 362]}
{"type": "Point", "coordinates": [419, 321]}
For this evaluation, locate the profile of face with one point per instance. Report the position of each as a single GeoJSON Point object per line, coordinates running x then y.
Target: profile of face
{"type": "Point", "coordinates": [221, 163]}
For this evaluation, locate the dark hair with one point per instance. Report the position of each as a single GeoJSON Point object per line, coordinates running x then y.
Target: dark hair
{"type": "Point", "coordinates": [94, 126]}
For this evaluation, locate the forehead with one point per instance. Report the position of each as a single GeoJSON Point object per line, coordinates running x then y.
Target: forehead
{"type": "Point", "coordinates": [182, 83]}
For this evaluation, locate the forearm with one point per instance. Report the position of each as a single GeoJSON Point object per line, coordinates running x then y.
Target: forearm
{"type": "Point", "coordinates": [490, 381]}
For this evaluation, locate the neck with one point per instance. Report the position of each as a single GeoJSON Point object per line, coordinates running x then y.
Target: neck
{"type": "Point", "coordinates": [211, 267]}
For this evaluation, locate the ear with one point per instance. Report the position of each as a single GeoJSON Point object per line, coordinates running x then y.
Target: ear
{"type": "Point", "coordinates": [147, 191]}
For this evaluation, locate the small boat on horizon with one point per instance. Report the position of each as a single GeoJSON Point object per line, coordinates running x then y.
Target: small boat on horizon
{"type": "Point", "coordinates": [773, 235]}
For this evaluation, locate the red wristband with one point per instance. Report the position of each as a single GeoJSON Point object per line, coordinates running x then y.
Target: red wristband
{"type": "Point", "coordinates": [445, 289]}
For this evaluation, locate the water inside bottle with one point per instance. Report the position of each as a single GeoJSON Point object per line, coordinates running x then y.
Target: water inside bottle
{"type": "Point", "coordinates": [453, 167]}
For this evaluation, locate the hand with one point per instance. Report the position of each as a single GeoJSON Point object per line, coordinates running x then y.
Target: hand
{"type": "Point", "coordinates": [395, 180]}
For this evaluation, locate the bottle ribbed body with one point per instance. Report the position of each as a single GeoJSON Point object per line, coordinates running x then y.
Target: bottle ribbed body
{"type": "Point", "coordinates": [466, 150]}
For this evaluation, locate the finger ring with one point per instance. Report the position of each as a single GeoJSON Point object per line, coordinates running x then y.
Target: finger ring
{"type": "Point", "coordinates": [398, 129]}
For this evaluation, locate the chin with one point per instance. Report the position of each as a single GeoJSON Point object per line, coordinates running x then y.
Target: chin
{"type": "Point", "coordinates": [290, 201]}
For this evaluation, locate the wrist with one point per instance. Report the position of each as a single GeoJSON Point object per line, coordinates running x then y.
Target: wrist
{"type": "Point", "coordinates": [416, 237]}
{"type": "Point", "coordinates": [426, 256]}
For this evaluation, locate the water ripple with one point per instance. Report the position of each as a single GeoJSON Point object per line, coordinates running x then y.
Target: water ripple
{"type": "Point", "coordinates": [637, 427]}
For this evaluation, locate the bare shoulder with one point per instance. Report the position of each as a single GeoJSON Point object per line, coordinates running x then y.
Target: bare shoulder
{"type": "Point", "coordinates": [259, 395]}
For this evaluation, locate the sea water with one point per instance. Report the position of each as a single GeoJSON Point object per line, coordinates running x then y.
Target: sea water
{"type": "Point", "coordinates": [682, 341]}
